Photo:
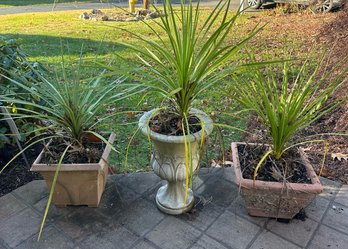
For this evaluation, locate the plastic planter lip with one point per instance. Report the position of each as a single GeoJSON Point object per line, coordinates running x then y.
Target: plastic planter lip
{"type": "Point", "coordinates": [144, 127]}
{"type": "Point", "coordinates": [314, 188]}
{"type": "Point", "coordinates": [38, 166]}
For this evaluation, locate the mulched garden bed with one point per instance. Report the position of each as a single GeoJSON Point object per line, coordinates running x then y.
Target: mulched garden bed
{"type": "Point", "coordinates": [17, 174]}
{"type": "Point", "coordinates": [335, 35]}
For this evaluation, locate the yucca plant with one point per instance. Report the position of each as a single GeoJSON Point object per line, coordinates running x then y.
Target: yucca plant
{"type": "Point", "coordinates": [71, 110]}
{"type": "Point", "coordinates": [187, 58]}
{"type": "Point", "coordinates": [288, 103]}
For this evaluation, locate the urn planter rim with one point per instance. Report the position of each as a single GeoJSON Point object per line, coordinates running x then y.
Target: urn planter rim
{"type": "Point", "coordinates": [144, 121]}
{"type": "Point", "coordinates": [43, 167]}
{"type": "Point", "coordinates": [314, 187]}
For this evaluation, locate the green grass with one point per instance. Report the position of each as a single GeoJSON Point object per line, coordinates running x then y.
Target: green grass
{"type": "Point", "coordinates": [45, 36]}
{"type": "Point", "coordinates": [13, 3]}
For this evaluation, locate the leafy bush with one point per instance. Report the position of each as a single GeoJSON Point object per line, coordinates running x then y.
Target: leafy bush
{"type": "Point", "coordinates": [14, 64]}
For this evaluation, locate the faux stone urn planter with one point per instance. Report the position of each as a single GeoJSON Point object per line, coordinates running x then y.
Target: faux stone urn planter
{"type": "Point", "coordinates": [77, 184]}
{"type": "Point", "coordinates": [168, 162]}
{"type": "Point", "coordinates": [276, 199]}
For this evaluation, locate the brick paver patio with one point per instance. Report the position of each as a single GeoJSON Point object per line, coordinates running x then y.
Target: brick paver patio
{"type": "Point", "coordinates": [128, 218]}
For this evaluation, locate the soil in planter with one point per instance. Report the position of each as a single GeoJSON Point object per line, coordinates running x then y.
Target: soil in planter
{"type": "Point", "coordinates": [170, 124]}
{"type": "Point", "coordinates": [289, 168]}
{"type": "Point", "coordinates": [18, 172]}
{"type": "Point", "coordinates": [88, 153]}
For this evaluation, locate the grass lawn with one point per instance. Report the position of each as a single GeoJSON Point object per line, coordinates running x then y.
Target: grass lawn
{"type": "Point", "coordinates": [45, 36]}
{"type": "Point", "coordinates": [12, 3]}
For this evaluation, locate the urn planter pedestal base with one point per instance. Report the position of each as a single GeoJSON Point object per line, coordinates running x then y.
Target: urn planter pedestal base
{"type": "Point", "coordinates": [170, 198]}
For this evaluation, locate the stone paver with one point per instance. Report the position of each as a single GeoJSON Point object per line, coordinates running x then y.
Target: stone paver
{"type": "Point", "coordinates": [143, 244]}
{"type": "Point", "coordinates": [134, 219]}
{"type": "Point", "coordinates": [83, 223]}
{"type": "Point", "coordinates": [51, 239]}
{"type": "Point", "coordinates": [337, 217]}
{"type": "Point", "coordinates": [228, 174]}
{"type": "Point", "coordinates": [20, 227]}
{"type": "Point", "coordinates": [330, 188]}
{"type": "Point", "coordinates": [203, 214]}
{"type": "Point", "coordinates": [54, 212]}
{"type": "Point", "coordinates": [116, 198]}
{"type": "Point", "coordinates": [128, 218]}
{"type": "Point", "coordinates": [118, 237]}
{"type": "Point", "coordinates": [233, 230]}
{"type": "Point", "coordinates": [238, 207]}
{"type": "Point", "coordinates": [317, 208]}
{"type": "Point", "coordinates": [328, 238]}
{"type": "Point", "coordinates": [33, 192]}
{"type": "Point", "coordinates": [140, 183]}
{"type": "Point", "coordinates": [173, 233]}
{"type": "Point", "coordinates": [342, 196]}
{"type": "Point", "coordinates": [270, 241]}
{"type": "Point", "coordinates": [206, 242]}
{"type": "Point", "coordinates": [220, 191]}
{"type": "Point", "coordinates": [201, 178]}
{"type": "Point", "coordinates": [297, 231]}
{"type": "Point", "coordinates": [9, 205]}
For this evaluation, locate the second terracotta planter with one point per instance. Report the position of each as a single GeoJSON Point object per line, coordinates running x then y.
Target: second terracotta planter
{"type": "Point", "coordinates": [276, 199]}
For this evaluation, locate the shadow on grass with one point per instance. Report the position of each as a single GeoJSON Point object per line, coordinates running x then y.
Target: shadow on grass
{"type": "Point", "coordinates": [42, 45]}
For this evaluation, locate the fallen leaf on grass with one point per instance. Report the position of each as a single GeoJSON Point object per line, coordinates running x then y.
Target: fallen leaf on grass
{"type": "Point", "coordinates": [339, 156]}
{"type": "Point", "coordinates": [130, 114]}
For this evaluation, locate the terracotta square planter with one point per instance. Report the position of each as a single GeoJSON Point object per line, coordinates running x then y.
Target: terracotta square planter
{"type": "Point", "coordinates": [276, 199]}
{"type": "Point", "coordinates": [77, 184]}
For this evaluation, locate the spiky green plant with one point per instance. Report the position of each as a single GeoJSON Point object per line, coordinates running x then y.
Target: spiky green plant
{"type": "Point", "coordinates": [186, 60]}
{"type": "Point", "coordinates": [287, 103]}
{"type": "Point", "coordinates": [188, 57]}
{"type": "Point", "coordinates": [70, 109]}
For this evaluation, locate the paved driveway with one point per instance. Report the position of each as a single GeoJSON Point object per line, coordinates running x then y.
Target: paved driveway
{"type": "Point", "coordinates": [93, 5]}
